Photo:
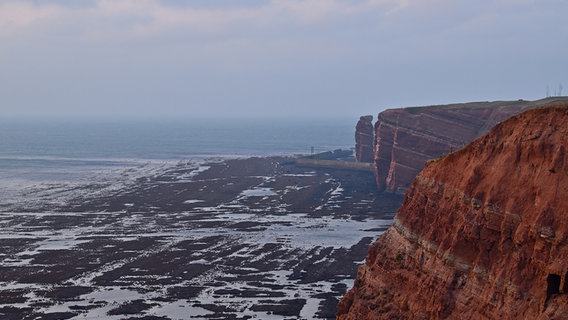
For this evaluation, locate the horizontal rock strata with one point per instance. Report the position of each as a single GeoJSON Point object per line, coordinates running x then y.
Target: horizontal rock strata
{"type": "Point", "coordinates": [406, 138]}
{"type": "Point", "coordinates": [364, 139]}
{"type": "Point", "coordinates": [482, 233]}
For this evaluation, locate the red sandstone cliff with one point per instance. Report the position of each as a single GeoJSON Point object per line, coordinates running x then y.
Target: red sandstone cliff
{"type": "Point", "coordinates": [406, 138]}
{"type": "Point", "coordinates": [482, 233]}
{"type": "Point", "coordinates": [364, 139]}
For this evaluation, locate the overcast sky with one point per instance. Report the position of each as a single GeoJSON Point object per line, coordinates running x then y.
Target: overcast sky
{"type": "Point", "coordinates": [275, 58]}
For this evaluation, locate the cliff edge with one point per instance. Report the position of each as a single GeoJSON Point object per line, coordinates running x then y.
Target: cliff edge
{"type": "Point", "coordinates": [482, 233]}
{"type": "Point", "coordinates": [406, 138]}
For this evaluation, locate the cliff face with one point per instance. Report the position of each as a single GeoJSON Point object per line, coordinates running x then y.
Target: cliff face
{"type": "Point", "coordinates": [406, 138]}
{"type": "Point", "coordinates": [364, 139]}
{"type": "Point", "coordinates": [482, 233]}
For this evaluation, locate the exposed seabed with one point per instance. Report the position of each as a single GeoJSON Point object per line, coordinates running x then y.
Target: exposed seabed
{"type": "Point", "coordinates": [255, 238]}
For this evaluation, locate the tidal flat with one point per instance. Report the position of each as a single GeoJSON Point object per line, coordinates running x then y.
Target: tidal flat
{"type": "Point", "coordinates": [250, 238]}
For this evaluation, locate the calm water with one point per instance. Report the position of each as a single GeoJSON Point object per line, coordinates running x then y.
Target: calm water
{"type": "Point", "coordinates": [36, 150]}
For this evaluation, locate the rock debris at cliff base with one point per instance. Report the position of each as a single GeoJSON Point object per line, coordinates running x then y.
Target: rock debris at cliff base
{"type": "Point", "coordinates": [482, 233]}
{"type": "Point", "coordinates": [234, 239]}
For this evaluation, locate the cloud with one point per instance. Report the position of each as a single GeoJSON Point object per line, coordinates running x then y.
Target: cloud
{"type": "Point", "coordinates": [147, 18]}
{"type": "Point", "coordinates": [246, 35]}
{"type": "Point", "coordinates": [132, 21]}
{"type": "Point", "coordinates": [272, 52]}
{"type": "Point", "coordinates": [18, 15]}
{"type": "Point", "coordinates": [125, 20]}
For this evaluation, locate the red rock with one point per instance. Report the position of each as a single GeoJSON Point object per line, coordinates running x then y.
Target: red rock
{"type": "Point", "coordinates": [364, 139]}
{"type": "Point", "coordinates": [482, 233]}
{"type": "Point", "coordinates": [406, 138]}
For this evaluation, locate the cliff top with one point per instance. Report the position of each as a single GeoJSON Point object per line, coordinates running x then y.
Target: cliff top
{"type": "Point", "coordinates": [485, 104]}
{"type": "Point", "coordinates": [526, 153]}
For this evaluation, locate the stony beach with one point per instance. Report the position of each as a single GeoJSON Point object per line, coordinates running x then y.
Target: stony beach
{"type": "Point", "coordinates": [250, 238]}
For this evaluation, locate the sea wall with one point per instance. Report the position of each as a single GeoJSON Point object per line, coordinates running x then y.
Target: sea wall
{"type": "Point", "coordinates": [335, 164]}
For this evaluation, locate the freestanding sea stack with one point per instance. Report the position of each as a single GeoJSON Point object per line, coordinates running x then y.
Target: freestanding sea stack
{"type": "Point", "coordinates": [364, 139]}
{"type": "Point", "coordinates": [482, 233]}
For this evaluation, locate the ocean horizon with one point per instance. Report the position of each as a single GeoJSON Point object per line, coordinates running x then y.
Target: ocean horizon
{"type": "Point", "coordinates": [41, 151]}
{"type": "Point", "coordinates": [169, 139]}
{"type": "Point", "coordinates": [175, 219]}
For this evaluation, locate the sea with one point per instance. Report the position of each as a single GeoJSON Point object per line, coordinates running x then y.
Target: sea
{"type": "Point", "coordinates": [39, 151]}
{"type": "Point", "coordinates": [259, 255]}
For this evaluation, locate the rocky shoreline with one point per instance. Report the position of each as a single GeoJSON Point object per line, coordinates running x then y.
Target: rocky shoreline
{"type": "Point", "coordinates": [228, 239]}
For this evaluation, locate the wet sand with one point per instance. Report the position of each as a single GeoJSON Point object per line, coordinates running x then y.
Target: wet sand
{"type": "Point", "coordinates": [255, 238]}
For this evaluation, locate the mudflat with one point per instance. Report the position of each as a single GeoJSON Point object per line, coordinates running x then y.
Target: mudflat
{"type": "Point", "coordinates": [254, 238]}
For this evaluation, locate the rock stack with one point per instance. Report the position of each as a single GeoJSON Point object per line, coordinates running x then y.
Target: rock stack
{"type": "Point", "coordinates": [364, 139]}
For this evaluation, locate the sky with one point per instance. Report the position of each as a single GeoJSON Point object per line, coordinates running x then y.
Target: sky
{"type": "Point", "coordinates": [274, 58]}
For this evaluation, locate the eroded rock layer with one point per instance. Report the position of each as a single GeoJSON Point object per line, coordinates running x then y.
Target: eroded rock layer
{"type": "Point", "coordinates": [482, 233]}
{"type": "Point", "coordinates": [364, 139]}
{"type": "Point", "coordinates": [406, 138]}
